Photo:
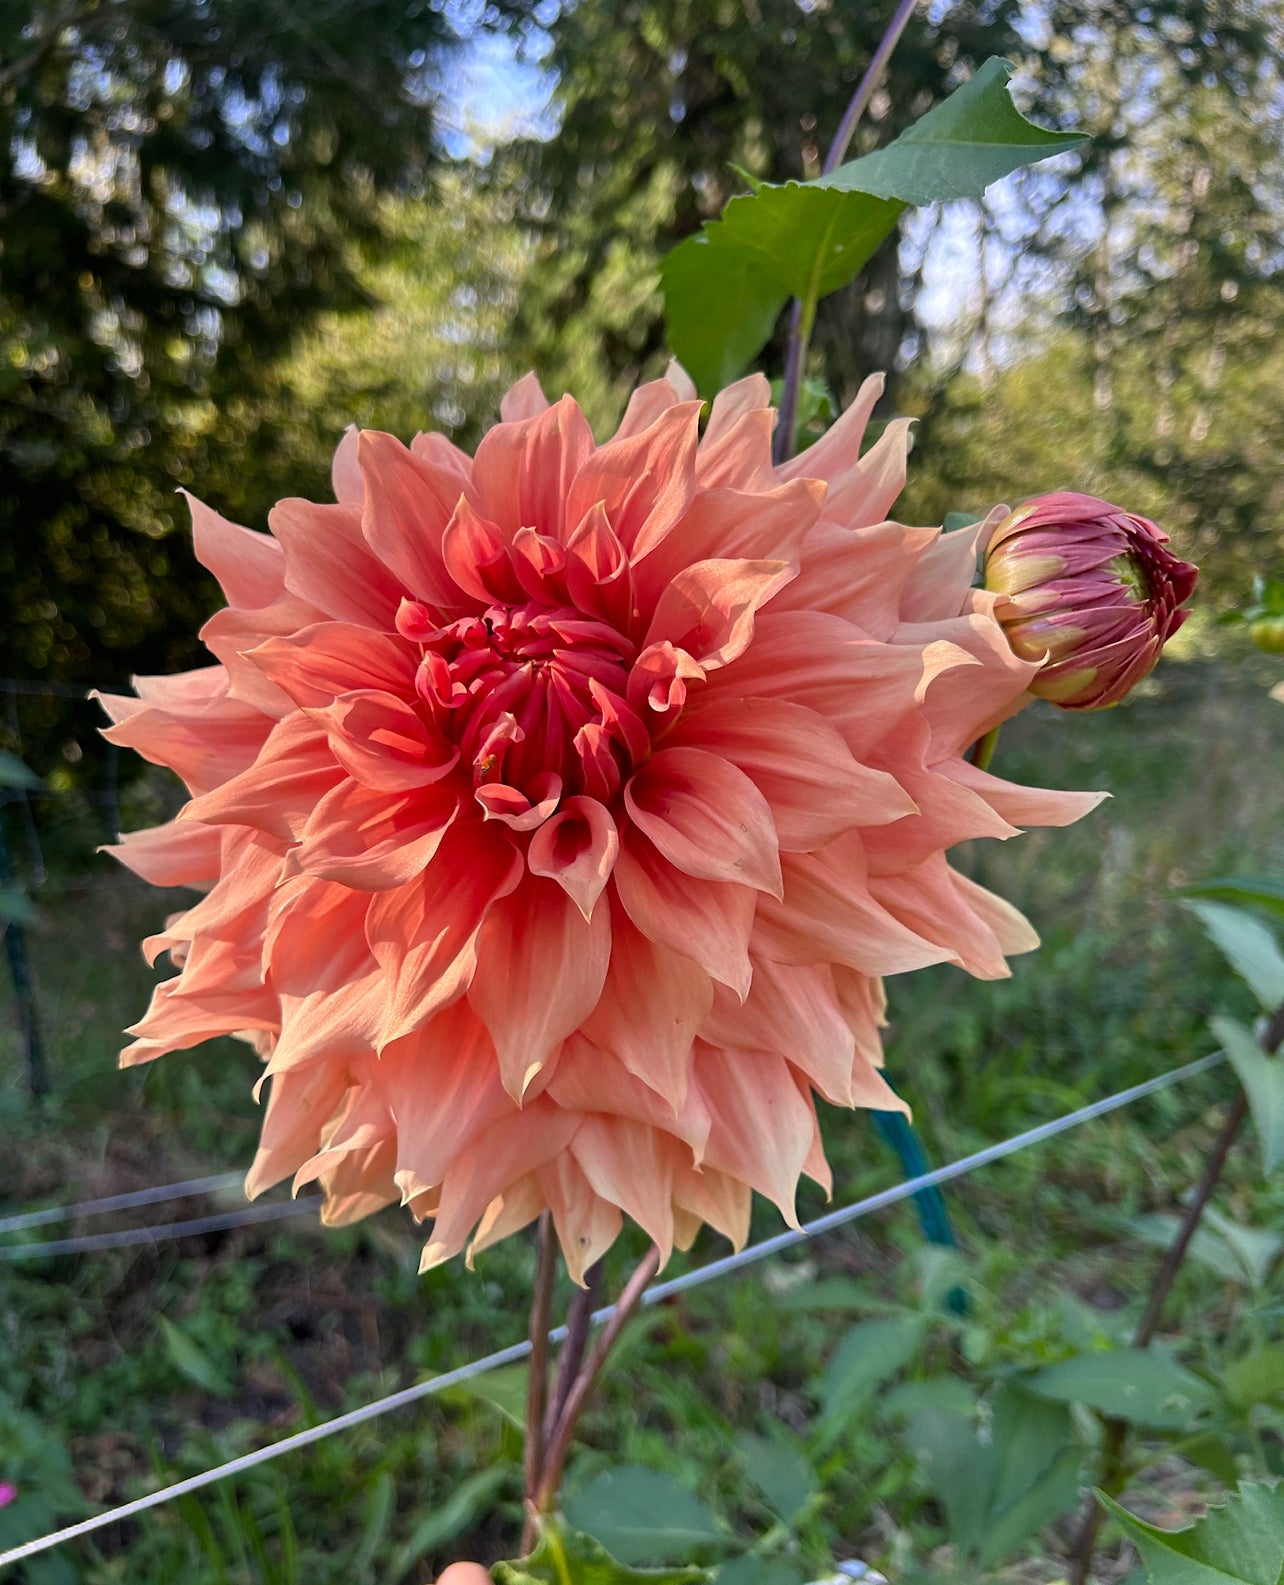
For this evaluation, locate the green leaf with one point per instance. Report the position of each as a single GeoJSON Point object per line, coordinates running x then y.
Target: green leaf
{"type": "Point", "coordinates": [1240, 1254]}
{"type": "Point", "coordinates": [999, 1490]}
{"type": "Point", "coordinates": [503, 1389]}
{"type": "Point", "coordinates": [815, 412]}
{"type": "Point", "coordinates": [16, 908]}
{"type": "Point", "coordinates": [957, 149]}
{"type": "Point", "coordinates": [1256, 1248]}
{"type": "Point", "coordinates": [1211, 1452]}
{"type": "Point", "coordinates": [725, 287]}
{"type": "Point", "coordinates": [870, 1354]}
{"type": "Point", "coordinates": [1263, 1081]}
{"type": "Point", "coordinates": [958, 1469]}
{"type": "Point", "coordinates": [779, 1471]}
{"type": "Point", "coordinates": [563, 1556]}
{"type": "Point", "coordinates": [1249, 948]}
{"type": "Point", "coordinates": [467, 1503]}
{"type": "Point", "coordinates": [934, 1392]}
{"type": "Point", "coordinates": [1266, 895]}
{"type": "Point", "coordinates": [1139, 1385]}
{"type": "Point", "coordinates": [751, 1570]}
{"type": "Point", "coordinates": [833, 1293]}
{"type": "Point", "coordinates": [643, 1516]}
{"type": "Point", "coordinates": [1257, 1377]}
{"type": "Point", "coordinates": [1036, 1470]}
{"type": "Point", "coordinates": [1053, 1492]}
{"type": "Point", "coordinates": [1241, 1543]}
{"type": "Point", "coordinates": [190, 1360]}
{"type": "Point", "coordinates": [13, 773]}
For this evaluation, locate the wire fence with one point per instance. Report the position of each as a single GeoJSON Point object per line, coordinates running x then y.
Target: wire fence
{"type": "Point", "coordinates": [160, 1195]}
{"type": "Point", "coordinates": [221, 1222]}
{"type": "Point", "coordinates": [656, 1294]}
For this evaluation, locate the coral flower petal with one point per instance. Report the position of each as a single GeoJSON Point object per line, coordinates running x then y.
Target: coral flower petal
{"type": "Point", "coordinates": [708, 922]}
{"type": "Point", "coordinates": [540, 970]}
{"type": "Point", "coordinates": [706, 817]}
{"type": "Point", "coordinates": [328, 563]}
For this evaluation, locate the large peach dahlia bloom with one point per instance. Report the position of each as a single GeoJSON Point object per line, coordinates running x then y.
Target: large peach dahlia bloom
{"type": "Point", "coordinates": [559, 810]}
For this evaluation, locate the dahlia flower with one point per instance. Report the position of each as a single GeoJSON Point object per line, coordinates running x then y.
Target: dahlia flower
{"type": "Point", "coordinates": [560, 809]}
{"type": "Point", "coordinates": [1090, 590]}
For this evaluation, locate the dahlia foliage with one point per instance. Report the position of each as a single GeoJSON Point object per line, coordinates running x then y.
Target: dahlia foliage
{"type": "Point", "coordinates": [560, 809]}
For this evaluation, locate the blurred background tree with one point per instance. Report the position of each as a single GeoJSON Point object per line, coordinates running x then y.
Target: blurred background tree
{"type": "Point", "coordinates": [659, 102]}
{"type": "Point", "coordinates": [231, 228]}
{"type": "Point", "coordinates": [184, 190]}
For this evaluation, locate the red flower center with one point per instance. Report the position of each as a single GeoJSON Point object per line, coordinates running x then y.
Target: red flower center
{"type": "Point", "coordinates": [535, 697]}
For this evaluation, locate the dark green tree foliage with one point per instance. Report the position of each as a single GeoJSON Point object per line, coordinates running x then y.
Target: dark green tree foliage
{"type": "Point", "coordinates": [1159, 344]}
{"type": "Point", "coordinates": [659, 100]}
{"type": "Point", "coordinates": [184, 186]}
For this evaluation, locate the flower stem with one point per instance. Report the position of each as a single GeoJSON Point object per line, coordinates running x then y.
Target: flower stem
{"type": "Point", "coordinates": [802, 314]}
{"type": "Point", "coordinates": [537, 1385]}
{"type": "Point", "coordinates": [579, 1322]}
{"type": "Point", "coordinates": [866, 86]}
{"type": "Point", "coordinates": [1113, 1469]}
{"type": "Point", "coordinates": [558, 1443]}
{"type": "Point", "coordinates": [982, 751]}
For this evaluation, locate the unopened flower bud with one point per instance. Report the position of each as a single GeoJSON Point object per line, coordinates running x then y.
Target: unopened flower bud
{"type": "Point", "coordinates": [1090, 590]}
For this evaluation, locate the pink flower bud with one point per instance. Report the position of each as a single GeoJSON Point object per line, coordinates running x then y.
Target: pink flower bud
{"type": "Point", "coordinates": [8, 1493]}
{"type": "Point", "coordinates": [1090, 590]}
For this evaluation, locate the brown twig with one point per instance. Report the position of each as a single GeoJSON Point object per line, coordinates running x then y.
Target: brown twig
{"type": "Point", "coordinates": [1113, 1470]}
{"type": "Point", "coordinates": [559, 1443]}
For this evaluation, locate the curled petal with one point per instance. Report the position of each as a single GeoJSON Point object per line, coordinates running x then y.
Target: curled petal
{"type": "Point", "coordinates": [577, 847]}
{"type": "Point", "coordinates": [384, 743]}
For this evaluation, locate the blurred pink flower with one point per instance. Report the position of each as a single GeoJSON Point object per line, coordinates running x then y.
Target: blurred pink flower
{"type": "Point", "coordinates": [8, 1493]}
{"type": "Point", "coordinates": [1091, 588]}
{"type": "Point", "coordinates": [560, 809]}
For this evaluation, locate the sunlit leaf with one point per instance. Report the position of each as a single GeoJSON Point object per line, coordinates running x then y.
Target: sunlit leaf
{"type": "Point", "coordinates": [725, 287]}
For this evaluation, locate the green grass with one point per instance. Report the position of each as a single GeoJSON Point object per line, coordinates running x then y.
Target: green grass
{"type": "Point", "coordinates": [138, 1366]}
